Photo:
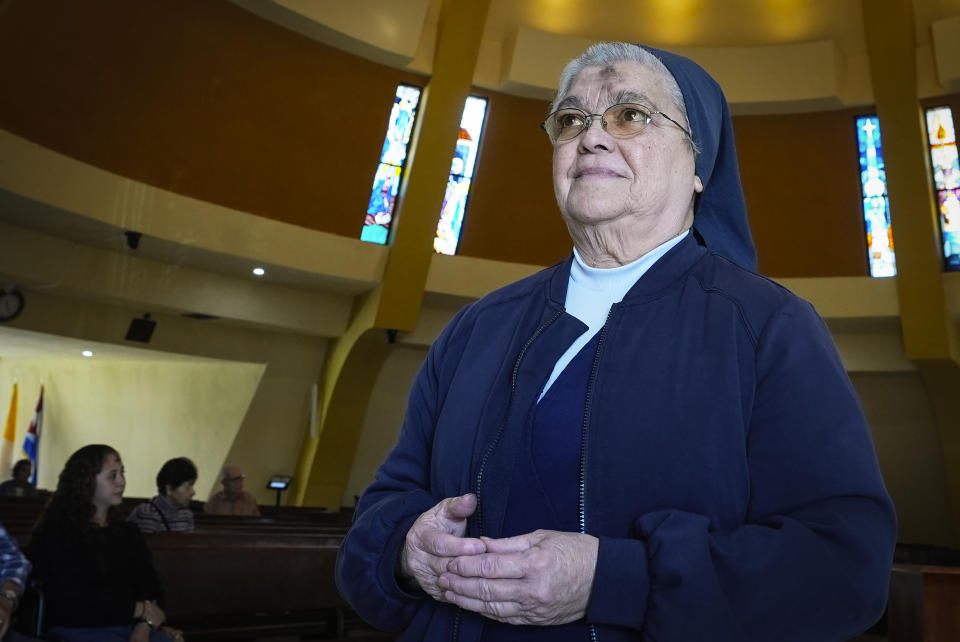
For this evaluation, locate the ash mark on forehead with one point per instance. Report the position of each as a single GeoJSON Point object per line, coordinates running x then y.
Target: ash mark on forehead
{"type": "Point", "coordinates": [610, 73]}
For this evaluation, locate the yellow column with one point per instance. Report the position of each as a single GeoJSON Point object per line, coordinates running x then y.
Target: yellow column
{"type": "Point", "coordinates": [357, 357]}
{"type": "Point", "coordinates": [928, 333]}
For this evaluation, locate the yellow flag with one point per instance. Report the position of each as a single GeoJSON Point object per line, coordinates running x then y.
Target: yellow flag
{"type": "Point", "coordinates": [9, 432]}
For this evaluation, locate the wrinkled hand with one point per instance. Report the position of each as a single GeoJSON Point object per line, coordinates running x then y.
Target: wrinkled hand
{"type": "Point", "coordinates": [543, 577]}
{"type": "Point", "coordinates": [435, 539]}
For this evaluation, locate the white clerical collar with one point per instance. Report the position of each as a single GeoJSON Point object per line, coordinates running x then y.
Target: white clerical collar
{"type": "Point", "coordinates": [617, 280]}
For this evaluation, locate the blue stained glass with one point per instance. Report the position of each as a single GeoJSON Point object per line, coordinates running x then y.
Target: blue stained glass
{"type": "Point", "coordinates": [451, 217]}
{"type": "Point", "coordinates": [402, 117]}
{"type": "Point", "coordinates": [876, 206]}
{"type": "Point", "coordinates": [942, 137]}
{"type": "Point", "coordinates": [951, 250]}
{"type": "Point", "coordinates": [461, 172]}
{"type": "Point", "coordinates": [386, 182]}
{"type": "Point", "coordinates": [940, 130]}
{"type": "Point", "coordinates": [374, 234]}
{"type": "Point", "coordinates": [946, 168]}
{"type": "Point", "coordinates": [949, 202]}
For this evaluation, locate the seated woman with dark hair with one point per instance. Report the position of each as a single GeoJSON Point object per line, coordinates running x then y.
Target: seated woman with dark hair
{"type": "Point", "coordinates": [169, 510]}
{"type": "Point", "coordinates": [95, 568]}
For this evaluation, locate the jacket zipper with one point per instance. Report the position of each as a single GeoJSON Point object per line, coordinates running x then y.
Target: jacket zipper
{"type": "Point", "coordinates": [496, 440]}
{"type": "Point", "coordinates": [503, 424]}
{"type": "Point", "coordinates": [456, 625]}
{"type": "Point", "coordinates": [583, 440]}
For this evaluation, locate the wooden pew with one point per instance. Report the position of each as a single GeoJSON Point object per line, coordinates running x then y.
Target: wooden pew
{"type": "Point", "coordinates": [20, 514]}
{"type": "Point", "coordinates": [240, 577]}
{"type": "Point", "coordinates": [234, 523]}
{"type": "Point", "coordinates": [924, 604]}
{"type": "Point", "coordinates": [243, 585]}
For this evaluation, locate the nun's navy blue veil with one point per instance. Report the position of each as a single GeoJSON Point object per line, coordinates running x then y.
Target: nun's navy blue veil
{"type": "Point", "coordinates": [720, 216]}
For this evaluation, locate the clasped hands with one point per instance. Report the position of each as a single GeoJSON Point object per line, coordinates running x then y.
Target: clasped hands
{"type": "Point", "coordinates": [543, 577]}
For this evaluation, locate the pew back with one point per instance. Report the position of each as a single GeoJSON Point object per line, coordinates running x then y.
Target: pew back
{"type": "Point", "coordinates": [241, 573]}
{"type": "Point", "coordinates": [924, 604]}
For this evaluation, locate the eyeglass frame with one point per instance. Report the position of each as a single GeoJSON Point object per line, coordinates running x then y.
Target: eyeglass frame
{"type": "Point", "coordinates": [588, 121]}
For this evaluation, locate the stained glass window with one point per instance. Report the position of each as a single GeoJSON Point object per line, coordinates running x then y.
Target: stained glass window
{"type": "Point", "coordinates": [876, 205]}
{"type": "Point", "coordinates": [386, 181]}
{"type": "Point", "coordinates": [941, 134]}
{"type": "Point", "coordinates": [461, 175]}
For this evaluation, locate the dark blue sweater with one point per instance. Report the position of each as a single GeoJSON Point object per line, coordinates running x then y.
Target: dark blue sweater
{"type": "Point", "coordinates": [544, 492]}
{"type": "Point", "coordinates": [728, 472]}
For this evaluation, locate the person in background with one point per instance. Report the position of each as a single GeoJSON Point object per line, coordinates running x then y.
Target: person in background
{"type": "Point", "coordinates": [170, 510]}
{"type": "Point", "coordinates": [96, 570]}
{"type": "Point", "coordinates": [19, 486]}
{"type": "Point", "coordinates": [233, 499]}
{"type": "Point", "coordinates": [14, 569]}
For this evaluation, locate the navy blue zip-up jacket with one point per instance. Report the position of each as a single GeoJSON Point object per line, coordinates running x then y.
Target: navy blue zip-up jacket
{"type": "Point", "coordinates": [727, 468]}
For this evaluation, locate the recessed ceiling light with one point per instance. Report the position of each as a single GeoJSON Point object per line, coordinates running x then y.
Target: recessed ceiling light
{"type": "Point", "coordinates": [259, 271]}
{"type": "Point", "coordinates": [87, 353]}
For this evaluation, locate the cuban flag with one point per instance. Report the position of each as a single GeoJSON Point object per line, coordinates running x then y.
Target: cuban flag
{"type": "Point", "coordinates": [31, 444]}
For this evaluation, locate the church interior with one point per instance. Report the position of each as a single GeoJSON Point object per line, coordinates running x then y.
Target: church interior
{"type": "Point", "coordinates": [154, 155]}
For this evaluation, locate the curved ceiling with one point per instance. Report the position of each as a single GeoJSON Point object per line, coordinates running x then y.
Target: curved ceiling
{"type": "Point", "coordinates": [817, 47]}
{"type": "Point", "coordinates": [704, 23]}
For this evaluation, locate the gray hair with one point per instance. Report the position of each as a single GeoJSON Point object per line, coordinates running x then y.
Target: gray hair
{"type": "Point", "coordinates": [603, 54]}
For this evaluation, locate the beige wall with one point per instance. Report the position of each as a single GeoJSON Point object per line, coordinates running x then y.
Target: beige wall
{"type": "Point", "coordinates": [381, 425]}
{"type": "Point", "coordinates": [908, 448]}
{"type": "Point", "coordinates": [150, 411]}
{"type": "Point", "coordinates": [273, 429]}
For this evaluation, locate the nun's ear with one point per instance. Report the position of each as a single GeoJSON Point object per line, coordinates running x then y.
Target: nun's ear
{"type": "Point", "coordinates": [697, 184]}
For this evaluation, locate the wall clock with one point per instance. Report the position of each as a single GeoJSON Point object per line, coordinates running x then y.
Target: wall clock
{"type": "Point", "coordinates": [11, 303]}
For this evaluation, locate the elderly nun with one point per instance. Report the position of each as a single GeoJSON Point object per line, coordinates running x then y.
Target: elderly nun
{"type": "Point", "coordinates": [647, 441]}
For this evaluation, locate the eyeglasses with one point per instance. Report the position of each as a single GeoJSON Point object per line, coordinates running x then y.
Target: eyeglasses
{"type": "Point", "coordinates": [622, 121]}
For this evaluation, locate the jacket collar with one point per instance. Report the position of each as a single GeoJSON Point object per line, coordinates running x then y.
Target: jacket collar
{"type": "Point", "coordinates": [670, 268]}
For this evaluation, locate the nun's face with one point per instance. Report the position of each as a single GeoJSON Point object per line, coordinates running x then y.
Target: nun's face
{"type": "Point", "coordinates": [599, 178]}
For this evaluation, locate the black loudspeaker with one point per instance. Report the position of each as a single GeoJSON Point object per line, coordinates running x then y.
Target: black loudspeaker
{"type": "Point", "coordinates": [141, 329]}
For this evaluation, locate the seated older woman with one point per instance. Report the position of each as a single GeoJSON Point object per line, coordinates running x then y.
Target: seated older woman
{"type": "Point", "coordinates": [170, 509]}
{"type": "Point", "coordinates": [647, 441]}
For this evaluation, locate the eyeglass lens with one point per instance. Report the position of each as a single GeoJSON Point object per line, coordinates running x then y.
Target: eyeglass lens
{"type": "Point", "coordinates": [625, 119]}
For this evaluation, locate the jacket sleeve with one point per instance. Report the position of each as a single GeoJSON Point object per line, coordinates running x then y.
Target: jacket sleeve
{"type": "Point", "coordinates": [366, 570]}
{"type": "Point", "coordinates": [811, 560]}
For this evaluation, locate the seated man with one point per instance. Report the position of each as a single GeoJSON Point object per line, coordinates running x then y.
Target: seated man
{"type": "Point", "coordinates": [170, 509]}
{"type": "Point", "coordinates": [233, 499]}
{"type": "Point", "coordinates": [14, 568]}
{"type": "Point", "coordinates": [20, 485]}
